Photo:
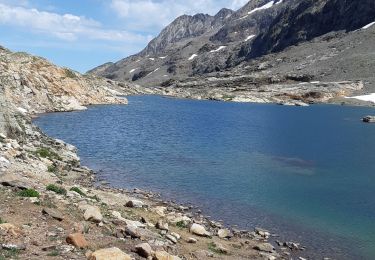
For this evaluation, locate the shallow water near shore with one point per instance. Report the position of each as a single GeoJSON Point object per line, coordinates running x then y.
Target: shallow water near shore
{"type": "Point", "coordinates": [306, 173]}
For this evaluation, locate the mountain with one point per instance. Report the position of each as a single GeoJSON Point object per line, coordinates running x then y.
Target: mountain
{"type": "Point", "coordinates": [263, 43]}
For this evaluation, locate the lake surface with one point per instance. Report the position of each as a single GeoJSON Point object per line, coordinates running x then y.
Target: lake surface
{"type": "Point", "coordinates": [306, 173]}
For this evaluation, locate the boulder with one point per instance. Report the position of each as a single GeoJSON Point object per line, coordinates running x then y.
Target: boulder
{"type": "Point", "coordinates": [265, 247]}
{"type": "Point", "coordinates": [162, 225]}
{"type": "Point", "coordinates": [134, 204]}
{"type": "Point", "coordinates": [53, 213]}
{"type": "Point", "coordinates": [224, 233]}
{"type": "Point", "coordinates": [199, 230]}
{"type": "Point", "coordinates": [162, 255]}
{"type": "Point", "coordinates": [143, 250]}
{"type": "Point", "coordinates": [93, 214]}
{"type": "Point", "coordinates": [109, 254]}
{"type": "Point", "coordinates": [369, 119]}
{"type": "Point", "coordinates": [77, 240]}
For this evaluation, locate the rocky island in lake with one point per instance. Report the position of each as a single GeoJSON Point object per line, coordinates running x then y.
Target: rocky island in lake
{"type": "Point", "coordinates": [141, 176]}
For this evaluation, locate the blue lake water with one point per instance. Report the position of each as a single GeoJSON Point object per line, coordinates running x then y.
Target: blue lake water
{"type": "Point", "coordinates": [306, 173]}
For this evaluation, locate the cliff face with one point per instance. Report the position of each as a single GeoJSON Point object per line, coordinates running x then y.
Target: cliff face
{"type": "Point", "coordinates": [308, 19]}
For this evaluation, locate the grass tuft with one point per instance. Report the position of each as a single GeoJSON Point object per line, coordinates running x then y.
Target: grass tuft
{"type": "Point", "coordinates": [56, 189]}
{"type": "Point", "coordinates": [29, 193]}
{"type": "Point", "coordinates": [76, 189]}
{"type": "Point", "coordinates": [47, 153]}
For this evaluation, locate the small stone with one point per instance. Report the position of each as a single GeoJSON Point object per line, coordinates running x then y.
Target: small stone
{"type": "Point", "coordinates": [53, 213]}
{"type": "Point", "coordinates": [144, 250]}
{"type": "Point", "coordinates": [7, 228]}
{"type": "Point", "coordinates": [171, 238]}
{"type": "Point", "coordinates": [77, 240]}
{"type": "Point", "coordinates": [177, 236]}
{"type": "Point", "coordinates": [162, 255]}
{"type": "Point", "coordinates": [199, 230]}
{"type": "Point", "coordinates": [192, 240]}
{"type": "Point", "coordinates": [162, 225]}
{"type": "Point", "coordinates": [224, 233]}
{"type": "Point", "coordinates": [93, 214]}
{"type": "Point", "coordinates": [134, 204]}
{"type": "Point", "coordinates": [265, 247]}
{"type": "Point", "coordinates": [220, 248]}
{"type": "Point", "coordinates": [132, 231]}
{"type": "Point", "coordinates": [109, 254]}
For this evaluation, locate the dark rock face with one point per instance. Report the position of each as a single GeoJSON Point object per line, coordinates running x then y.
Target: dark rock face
{"type": "Point", "coordinates": [309, 19]}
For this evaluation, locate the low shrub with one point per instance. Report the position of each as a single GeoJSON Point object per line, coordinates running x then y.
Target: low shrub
{"type": "Point", "coordinates": [56, 189]}
{"type": "Point", "coordinates": [29, 193]}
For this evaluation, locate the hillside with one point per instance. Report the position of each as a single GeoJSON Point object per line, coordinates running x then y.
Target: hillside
{"type": "Point", "coordinates": [269, 41]}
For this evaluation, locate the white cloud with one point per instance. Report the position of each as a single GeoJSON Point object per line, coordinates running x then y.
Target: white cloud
{"type": "Point", "coordinates": [67, 27]}
{"type": "Point", "coordinates": [152, 15]}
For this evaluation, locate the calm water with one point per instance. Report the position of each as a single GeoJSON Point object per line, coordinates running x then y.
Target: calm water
{"type": "Point", "coordinates": [307, 173]}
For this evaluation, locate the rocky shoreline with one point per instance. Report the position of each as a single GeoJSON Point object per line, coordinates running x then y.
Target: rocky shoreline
{"type": "Point", "coordinates": [52, 209]}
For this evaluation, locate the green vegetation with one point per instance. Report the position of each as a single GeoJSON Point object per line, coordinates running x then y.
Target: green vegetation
{"type": "Point", "coordinates": [212, 247]}
{"type": "Point", "coordinates": [52, 168]}
{"type": "Point", "coordinates": [2, 221]}
{"type": "Point", "coordinates": [56, 189]}
{"type": "Point", "coordinates": [9, 254]}
{"type": "Point", "coordinates": [69, 73]}
{"type": "Point", "coordinates": [29, 193]}
{"type": "Point", "coordinates": [181, 224]}
{"type": "Point", "coordinates": [76, 189]}
{"type": "Point", "coordinates": [47, 153]}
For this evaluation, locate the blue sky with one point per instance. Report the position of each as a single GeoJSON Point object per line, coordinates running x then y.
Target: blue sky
{"type": "Point", "coordinates": [82, 34]}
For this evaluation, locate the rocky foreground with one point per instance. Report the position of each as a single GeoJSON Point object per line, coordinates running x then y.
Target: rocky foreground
{"type": "Point", "coordinates": [51, 206]}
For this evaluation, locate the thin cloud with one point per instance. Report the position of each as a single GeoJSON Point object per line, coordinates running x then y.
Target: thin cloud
{"type": "Point", "coordinates": [66, 27]}
{"type": "Point", "coordinates": [151, 15]}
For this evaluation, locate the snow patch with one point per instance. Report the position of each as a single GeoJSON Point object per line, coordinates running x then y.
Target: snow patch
{"type": "Point", "coordinates": [163, 57]}
{"type": "Point", "coordinates": [219, 49]}
{"type": "Point", "coordinates": [137, 61]}
{"type": "Point", "coordinates": [192, 57]}
{"type": "Point", "coordinates": [368, 26]}
{"type": "Point", "coordinates": [249, 37]}
{"type": "Point", "coordinates": [151, 59]}
{"type": "Point", "coordinates": [369, 97]}
{"type": "Point", "coordinates": [131, 71]}
{"type": "Point", "coordinates": [266, 6]}
{"type": "Point", "coordinates": [155, 70]}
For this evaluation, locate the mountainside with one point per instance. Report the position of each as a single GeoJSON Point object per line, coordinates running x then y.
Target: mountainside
{"type": "Point", "coordinates": [194, 44]}
{"type": "Point", "coordinates": [265, 43]}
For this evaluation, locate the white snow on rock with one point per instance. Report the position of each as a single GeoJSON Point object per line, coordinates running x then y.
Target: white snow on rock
{"type": "Point", "coordinates": [266, 6]}
{"type": "Point", "coordinates": [151, 59]}
{"type": "Point", "coordinates": [369, 97]}
{"type": "Point", "coordinates": [163, 57]}
{"type": "Point", "coordinates": [368, 26]}
{"type": "Point", "coordinates": [192, 57]}
{"type": "Point", "coordinates": [153, 71]}
{"type": "Point", "coordinates": [137, 61]}
{"type": "Point", "coordinates": [219, 49]}
{"type": "Point", "coordinates": [249, 37]}
{"type": "Point", "coordinates": [131, 71]}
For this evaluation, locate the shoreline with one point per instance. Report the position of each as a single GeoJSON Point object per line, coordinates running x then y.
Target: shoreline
{"type": "Point", "coordinates": [46, 166]}
{"type": "Point", "coordinates": [129, 191]}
